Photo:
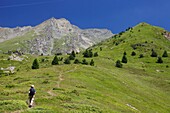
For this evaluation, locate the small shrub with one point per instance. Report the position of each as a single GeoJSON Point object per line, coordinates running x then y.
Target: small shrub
{"type": "Point", "coordinates": [141, 56]}
{"type": "Point", "coordinates": [71, 57]}
{"type": "Point", "coordinates": [101, 49]}
{"type": "Point", "coordinates": [76, 61]}
{"type": "Point", "coordinates": [153, 54]}
{"type": "Point", "coordinates": [35, 64]}
{"type": "Point", "coordinates": [10, 86]}
{"type": "Point", "coordinates": [124, 59]}
{"type": "Point", "coordinates": [96, 54]}
{"type": "Point", "coordinates": [165, 54]}
{"type": "Point", "coordinates": [133, 53]}
{"type": "Point", "coordinates": [43, 60]}
{"type": "Point", "coordinates": [73, 54]}
{"type": "Point", "coordinates": [45, 82]}
{"type": "Point", "coordinates": [84, 62]}
{"type": "Point", "coordinates": [118, 64]}
{"type": "Point", "coordinates": [159, 60]}
{"type": "Point", "coordinates": [58, 54]}
{"type": "Point", "coordinates": [88, 53]}
{"type": "Point", "coordinates": [117, 43]}
{"type": "Point", "coordinates": [92, 62]}
{"type": "Point", "coordinates": [55, 61]}
{"type": "Point", "coordinates": [67, 61]}
{"type": "Point", "coordinates": [59, 89]}
{"type": "Point", "coordinates": [75, 92]}
{"type": "Point", "coordinates": [60, 58]}
{"type": "Point", "coordinates": [134, 46]}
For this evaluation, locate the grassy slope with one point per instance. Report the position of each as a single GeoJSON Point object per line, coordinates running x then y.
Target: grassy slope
{"type": "Point", "coordinates": [137, 87]}
{"type": "Point", "coordinates": [18, 42]}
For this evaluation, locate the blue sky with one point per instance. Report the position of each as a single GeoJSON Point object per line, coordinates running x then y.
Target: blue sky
{"type": "Point", "coordinates": [116, 15]}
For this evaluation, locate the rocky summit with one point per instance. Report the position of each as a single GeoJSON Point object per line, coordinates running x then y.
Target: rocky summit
{"type": "Point", "coordinates": [50, 37]}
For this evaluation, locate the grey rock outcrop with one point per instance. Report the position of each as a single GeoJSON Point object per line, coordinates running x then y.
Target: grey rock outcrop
{"type": "Point", "coordinates": [9, 33]}
{"type": "Point", "coordinates": [54, 36]}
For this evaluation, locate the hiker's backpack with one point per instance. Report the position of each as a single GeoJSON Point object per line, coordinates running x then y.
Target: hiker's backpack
{"type": "Point", "coordinates": [32, 91]}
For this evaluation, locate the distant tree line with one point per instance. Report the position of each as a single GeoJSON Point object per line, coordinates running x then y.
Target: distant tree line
{"type": "Point", "coordinates": [72, 56]}
{"type": "Point", "coordinates": [153, 54]}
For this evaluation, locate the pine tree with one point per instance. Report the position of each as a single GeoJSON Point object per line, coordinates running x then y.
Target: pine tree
{"type": "Point", "coordinates": [76, 61]}
{"type": "Point", "coordinates": [55, 61]}
{"type": "Point", "coordinates": [71, 57]}
{"type": "Point", "coordinates": [125, 53]}
{"type": "Point", "coordinates": [124, 59]}
{"type": "Point", "coordinates": [86, 53]}
{"type": "Point", "coordinates": [133, 53]}
{"type": "Point", "coordinates": [84, 62]}
{"type": "Point", "coordinates": [92, 63]}
{"type": "Point", "coordinates": [100, 48]}
{"type": "Point", "coordinates": [73, 53]}
{"type": "Point", "coordinates": [118, 64]}
{"type": "Point", "coordinates": [90, 53]}
{"type": "Point", "coordinates": [165, 54]}
{"type": "Point", "coordinates": [96, 54]}
{"type": "Point", "coordinates": [141, 56]}
{"type": "Point", "coordinates": [154, 54]}
{"type": "Point", "coordinates": [67, 61]}
{"type": "Point", "coordinates": [159, 60]}
{"type": "Point", "coordinates": [35, 64]}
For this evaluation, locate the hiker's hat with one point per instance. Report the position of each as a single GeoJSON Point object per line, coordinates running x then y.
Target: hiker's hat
{"type": "Point", "coordinates": [32, 85]}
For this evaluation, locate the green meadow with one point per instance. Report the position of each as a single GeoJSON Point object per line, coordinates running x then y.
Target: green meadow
{"type": "Point", "coordinates": [140, 86]}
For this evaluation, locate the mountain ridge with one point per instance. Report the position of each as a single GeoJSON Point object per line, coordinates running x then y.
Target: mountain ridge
{"type": "Point", "coordinates": [142, 85]}
{"type": "Point", "coordinates": [54, 36]}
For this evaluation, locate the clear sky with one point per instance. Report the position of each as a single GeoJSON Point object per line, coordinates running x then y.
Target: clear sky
{"type": "Point", "coordinates": [116, 15]}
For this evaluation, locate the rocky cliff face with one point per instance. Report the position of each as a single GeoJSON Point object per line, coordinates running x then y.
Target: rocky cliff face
{"type": "Point", "coordinates": [54, 36]}
{"type": "Point", "coordinates": [9, 33]}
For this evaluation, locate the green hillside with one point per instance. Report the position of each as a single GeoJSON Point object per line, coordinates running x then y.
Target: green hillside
{"type": "Point", "coordinates": [17, 43]}
{"type": "Point", "coordinates": [140, 86]}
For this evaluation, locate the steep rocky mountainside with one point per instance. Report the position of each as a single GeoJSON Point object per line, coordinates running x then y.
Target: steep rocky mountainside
{"type": "Point", "coordinates": [51, 37]}
{"type": "Point", "coordinates": [9, 33]}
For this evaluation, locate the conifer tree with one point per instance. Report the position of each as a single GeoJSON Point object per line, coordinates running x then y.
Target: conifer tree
{"type": "Point", "coordinates": [76, 61]}
{"type": "Point", "coordinates": [125, 53]}
{"type": "Point", "coordinates": [73, 53]}
{"type": "Point", "coordinates": [165, 54]}
{"type": "Point", "coordinates": [124, 59]}
{"type": "Point", "coordinates": [159, 60]}
{"type": "Point", "coordinates": [55, 61]}
{"type": "Point", "coordinates": [86, 53]}
{"type": "Point", "coordinates": [100, 48]}
{"type": "Point", "coordinates": [96, 54]}
{"type": "Point", "coordinates": [92, 62]}
{"type": "Point", "coordinates": [71, 57]}
{"type": "Point", "coordinates": [67, 61]}
{"type": "Point", "coordinates": [118, 64]}
{"type": "Point", "coordinates": [84, 62]}
{"type": "Point", "coordinates": [90, 53]}
{"type": "Point", "coordinates": [141, 56]}
{"type": "Point", "coordinates": [133, 53]}
{"type": "Point", "coordinates": [154, 54]}
{"type": "Point", "coordinates": [35, 64]}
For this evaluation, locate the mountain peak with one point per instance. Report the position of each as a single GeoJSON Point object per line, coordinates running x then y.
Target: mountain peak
{"type": "Point", "coordinates": [55, 36]}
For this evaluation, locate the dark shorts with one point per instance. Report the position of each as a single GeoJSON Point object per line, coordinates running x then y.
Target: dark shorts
{"type": "Point", "coordinates": [31, 97]}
